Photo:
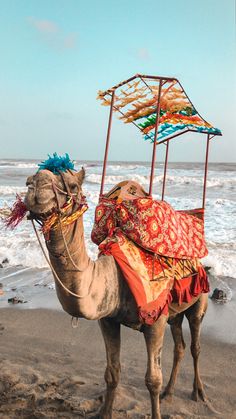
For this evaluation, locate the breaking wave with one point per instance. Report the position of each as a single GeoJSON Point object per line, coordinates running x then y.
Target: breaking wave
{"type": "Point", "coordinates": [16, 164]}
{"type": "Point", "coordinates": [12, 190]}
{"type": "Point", "coordinates": [170, 179]}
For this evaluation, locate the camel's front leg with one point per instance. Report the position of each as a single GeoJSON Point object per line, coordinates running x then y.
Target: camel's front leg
{"type": "Point", "coordinates": [176, 329]}
{"type": "Point", "coordinates": [154, 340]}
{"type": "Point", "coordinates": [111, 334]}
{"type": "Point", "coordinates": [195, 316]}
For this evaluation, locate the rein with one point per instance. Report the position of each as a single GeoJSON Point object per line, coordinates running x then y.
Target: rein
{"type": "Point", "coordinates": [53, 221]}
{"type": "Point", "coordinates": [60, 219]}
{"type": "Point", "coordinates": [52, 269]}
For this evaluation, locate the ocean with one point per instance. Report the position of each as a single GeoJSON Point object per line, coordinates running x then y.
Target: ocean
{"type": "Point", "coordinates": [23, 266]}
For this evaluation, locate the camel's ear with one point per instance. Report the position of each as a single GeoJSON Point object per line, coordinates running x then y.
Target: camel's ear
{"type": "Point", "coordinates": [80, 176]}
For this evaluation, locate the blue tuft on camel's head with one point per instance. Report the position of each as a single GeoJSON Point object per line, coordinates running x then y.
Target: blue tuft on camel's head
{"type": "Point", "coordinates": [57, 164]}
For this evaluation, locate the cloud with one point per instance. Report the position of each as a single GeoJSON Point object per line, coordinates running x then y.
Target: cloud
{"type": "Point", "coordinates": [44, 26]}
{"type": "Point", "coordinates": [143, 54]}
{"type": "Point", "coordinates": [70, 41]}
{"type": "Point", "coordinates": [51, 34]}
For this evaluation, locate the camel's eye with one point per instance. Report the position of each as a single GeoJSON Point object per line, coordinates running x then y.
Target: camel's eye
{"type": "Point", "coordinates": [73, 186]}
{"type": "Point", "coordinates": [29, 180]}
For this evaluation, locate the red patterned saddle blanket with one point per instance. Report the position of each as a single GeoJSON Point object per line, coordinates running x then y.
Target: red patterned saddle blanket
{"type": "Point", "coordinates": [153, 225]}
{"type": "Point", "coordinates": [156, 247]}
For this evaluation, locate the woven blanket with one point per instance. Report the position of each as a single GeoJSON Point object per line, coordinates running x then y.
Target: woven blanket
{"type": "Point", "coordinates": [155, 280]}
{"type": "Point", "coordinates": [153, 225]}
{"type": "Point", "coordinates": [145, 239]}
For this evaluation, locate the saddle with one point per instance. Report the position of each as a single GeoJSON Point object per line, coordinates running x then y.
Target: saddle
{"type": "Point", "coordinates": [156, 247]}
{"type": "Point", "coordinates": [152, 224]}
{"type": "Point", "coordinates": [126, 190]}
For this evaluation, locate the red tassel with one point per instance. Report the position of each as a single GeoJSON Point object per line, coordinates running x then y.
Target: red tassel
{"type": "Point", "coordinates": [17, 214]}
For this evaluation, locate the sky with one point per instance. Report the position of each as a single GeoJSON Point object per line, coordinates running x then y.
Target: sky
{"type": "Point", "coordinates": [56, 55]}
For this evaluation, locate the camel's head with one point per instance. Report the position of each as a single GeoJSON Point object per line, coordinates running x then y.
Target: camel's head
{"type": "Point", "coordinates": [49, 192]}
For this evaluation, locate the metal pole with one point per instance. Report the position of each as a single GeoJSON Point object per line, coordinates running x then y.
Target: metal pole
{"type": "Point", "coordinates": [140, 76]}
{"type": "Point", "coordinates": [164, 177]}
{"type": "Point", "coordinates": [155, 138]}
{"type": "Point", "coordinates": [172, 136]}
{"type": "Point", "coordinates": [181, 133]}
{"type": "Point", "coordinates": [121, 84]}
{"type": "Point", "coordinates": [145, 76]}
{"type": "Point", "coordinates": [107, 143]}
{"type": "Point", "coordinates": [132, 122]}
{"type": "Point", "coordinates": [205, 174]}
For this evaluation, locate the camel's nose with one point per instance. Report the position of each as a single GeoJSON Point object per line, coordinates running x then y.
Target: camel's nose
{"type": "Point", "coordinates": [30, 181]}
{"type": "Point", "coordinates": [30, 187]}
{"type": "Point", "coordinates": [42, 198]}
{"type": "Point", "coordinates": [30, 196]}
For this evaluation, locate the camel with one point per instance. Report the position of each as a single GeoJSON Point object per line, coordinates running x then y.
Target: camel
{"type": "Point", "coordinates": [96, 290]}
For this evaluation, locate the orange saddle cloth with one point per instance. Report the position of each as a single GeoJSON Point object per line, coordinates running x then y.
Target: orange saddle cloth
{"type": "Point", "coordinates": [156, 247]}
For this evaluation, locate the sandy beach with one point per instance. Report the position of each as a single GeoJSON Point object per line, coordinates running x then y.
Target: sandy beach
{"type": "Point", "coordinates": [50, 370]}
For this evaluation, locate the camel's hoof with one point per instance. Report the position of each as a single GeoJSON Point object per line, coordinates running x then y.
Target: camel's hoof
{"type": "Point", "coordinates": [167, 396]}
{"type": "Point", "coordinates": [198, 394]}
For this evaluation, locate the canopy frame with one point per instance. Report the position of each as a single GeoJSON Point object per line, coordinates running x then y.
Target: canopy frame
{"type": "Point", "coordinates": [162, 80]}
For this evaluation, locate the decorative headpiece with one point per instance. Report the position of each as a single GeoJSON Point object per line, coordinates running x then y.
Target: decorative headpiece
{"type": "Point", "coordinates": [57, 164]}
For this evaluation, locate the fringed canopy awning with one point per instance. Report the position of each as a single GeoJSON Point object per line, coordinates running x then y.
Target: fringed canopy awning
{"type": "Point", "coordinates": [160, 108]}
{"type": "Point", "coordinates": [139, 98]}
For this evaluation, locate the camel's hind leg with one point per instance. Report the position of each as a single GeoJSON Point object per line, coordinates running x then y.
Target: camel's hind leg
{"type": "Point", "coordinates": [195, 315]}
{"type": "Point", "coordinates": [179, 348]}
{"type": "Point", "coordinates": [111, 334]}
{"type": "Point", "coordinates": [154, 339]}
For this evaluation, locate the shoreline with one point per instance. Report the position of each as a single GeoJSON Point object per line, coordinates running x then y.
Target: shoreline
{"type": "Point", "coordinates": [50, 370]}
{"type": "Point", "coordinates": [40, 294]}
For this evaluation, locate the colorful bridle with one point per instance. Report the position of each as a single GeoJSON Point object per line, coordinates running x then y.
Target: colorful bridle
{"type": "Point", "coordinates": [59, 217]}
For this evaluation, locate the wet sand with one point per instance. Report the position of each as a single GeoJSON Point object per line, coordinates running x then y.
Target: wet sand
{"type": "Point", "coordinates": [49, 370]}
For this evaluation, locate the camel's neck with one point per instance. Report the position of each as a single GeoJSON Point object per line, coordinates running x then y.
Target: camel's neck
{"type": "Point", "coordinates": [71, 262]}
{"type": "Point", "coordinates": [97, 282]}
{"type": "Point", "coordinates": [68, 243]}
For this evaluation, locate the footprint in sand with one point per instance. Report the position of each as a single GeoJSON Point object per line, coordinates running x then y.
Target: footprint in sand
{"type": "Point", "coordinates": [77, 380]}
{"type": "Point", "coordinates": [1, 329]}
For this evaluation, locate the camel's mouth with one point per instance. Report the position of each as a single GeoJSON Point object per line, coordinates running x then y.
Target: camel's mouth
{"type": "Point", "coordinates": [39, 205]}
{"type": "Point", "coordinates": [42, 216]}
